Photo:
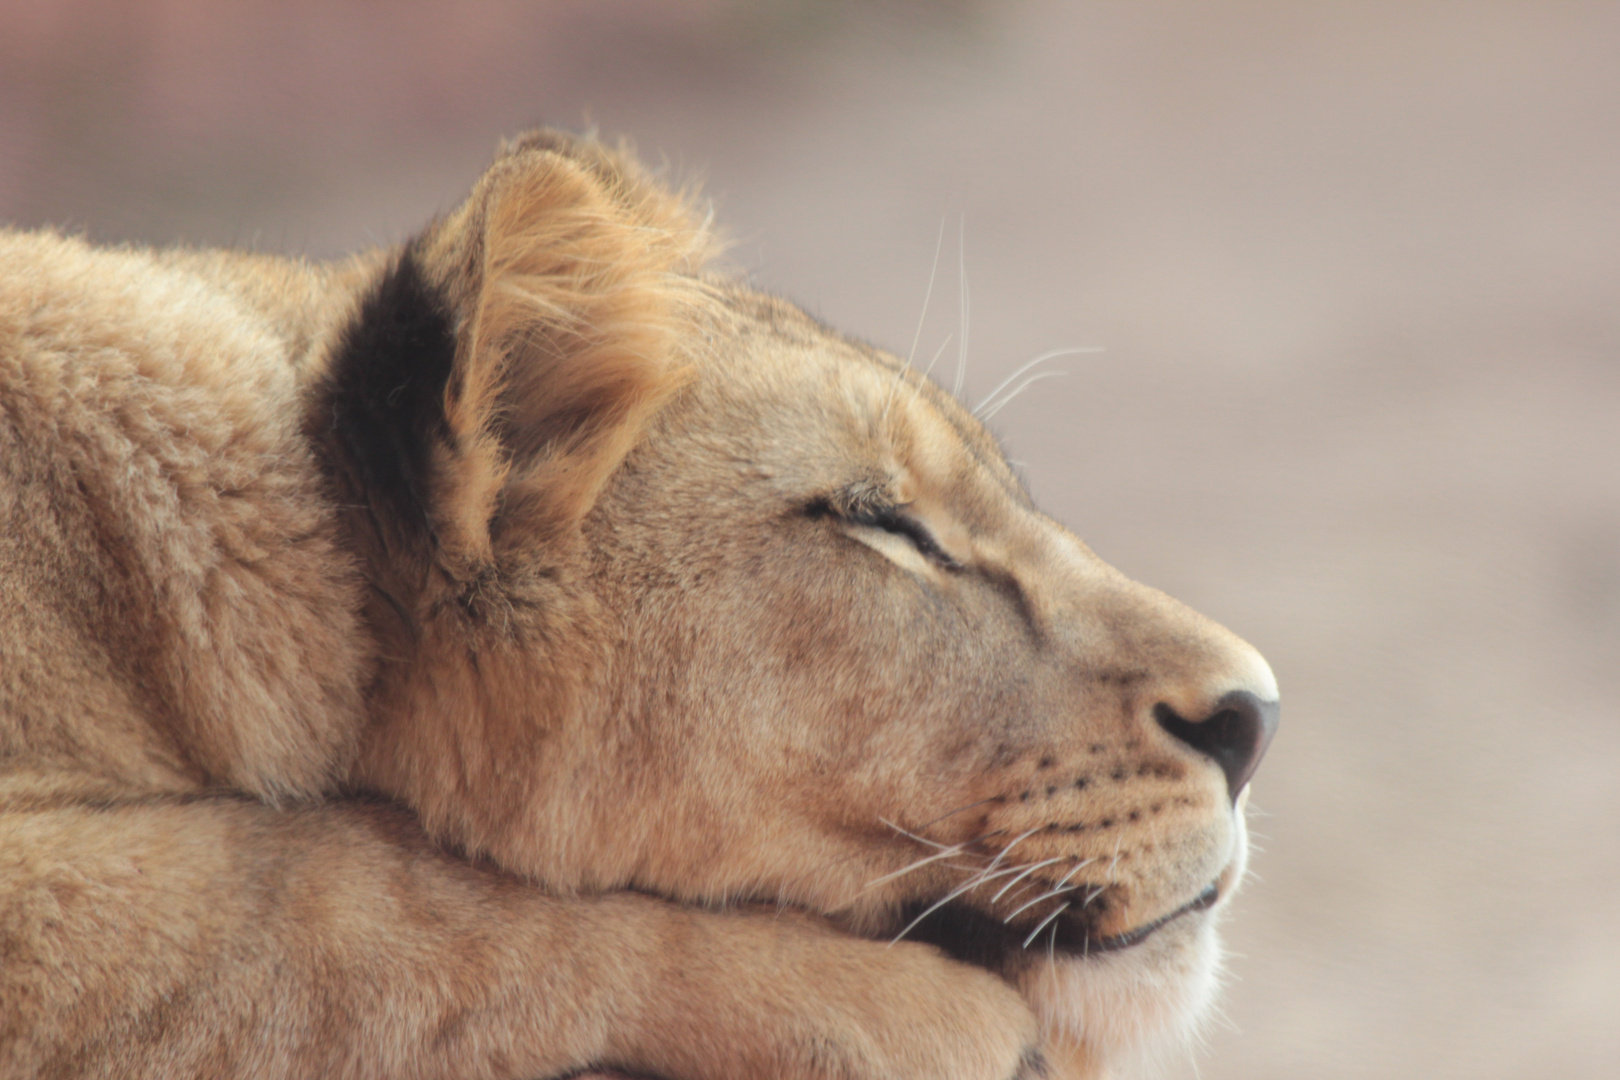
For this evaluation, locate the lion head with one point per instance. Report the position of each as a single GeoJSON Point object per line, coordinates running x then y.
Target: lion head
{"type": "Point", "coordinates": [680, 591]}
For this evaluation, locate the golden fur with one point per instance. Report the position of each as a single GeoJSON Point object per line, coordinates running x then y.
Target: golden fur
{"type": "Point", "coordinates": [529, 651]}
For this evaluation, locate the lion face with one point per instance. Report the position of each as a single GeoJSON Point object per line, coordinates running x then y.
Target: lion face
{"type": "Point", "coordinates": [721, 606]}
{"type": "Point", "coordinates": [873, 680]}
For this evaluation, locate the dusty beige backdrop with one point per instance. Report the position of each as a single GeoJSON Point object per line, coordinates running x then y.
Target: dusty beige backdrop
{"type": "Point", "coordinates": [1356, 272]}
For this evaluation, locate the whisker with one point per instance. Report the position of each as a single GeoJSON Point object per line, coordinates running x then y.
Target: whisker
{"type": "Point", "coordinates": [961, 280]}
{"type": "Point", "coordinates": [1044, 896]}
{"type": "Point", "coordinates": [928, 294]}
{"type": "Point", "coordinates": [1019, 839]}
{"type": "Point", "coordinates": [1025, 385]}
{"type": "Point", "coordinates": [919, 864]}
{"type": "Point", "coordinates": [1059, 887]}
{"type": "Point", "coordinates": [1030, 869]}
{"type": "Point", "coordinates": [1042, 924]}
{"type": "Point", "coordinates": [1025, 888]}
{"type": "Point", "coordinates": [930, 368]}
{"type": "Point", "coordinates": [964, 869]}
{"type": "Point", "coordinates": [961, 845]}
{"type": "Point", "coordinates": [958, 810]}
{"type": "Point", "coordinates": [941, 902]}
{"type": "Point", "coordinates": [916, 387]}
{"type": "Point", "coordinates": [990, 873]}
{"type": "Point", "coordinates": [986, 876]}
{"type": "Point", "coordinates": [1079, 866]}
{"type": "Point", "coordinates": [920, 839]}
{"type": "Point", "coordinates": [939, 243]}
{"type": "Point", "coordinates": [1041, 359]}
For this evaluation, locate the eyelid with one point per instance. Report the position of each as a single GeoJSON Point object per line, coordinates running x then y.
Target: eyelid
{"type": "Point", "coordinates": [892, 519]}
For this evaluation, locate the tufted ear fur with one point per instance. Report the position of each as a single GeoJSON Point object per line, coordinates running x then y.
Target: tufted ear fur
{"type": "Point", "coordinates": [507, 360]}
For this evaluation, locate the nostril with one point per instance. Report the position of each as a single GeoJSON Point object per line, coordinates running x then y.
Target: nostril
{"type": "Point", "coordinates": [1235, 734]}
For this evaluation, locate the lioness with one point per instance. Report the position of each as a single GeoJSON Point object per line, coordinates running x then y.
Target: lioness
{"type": "Point", "coordinates": [526, 651]}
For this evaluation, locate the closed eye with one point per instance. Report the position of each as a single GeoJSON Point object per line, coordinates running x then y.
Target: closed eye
{"type": "Point", "coordinates": [891, 519]}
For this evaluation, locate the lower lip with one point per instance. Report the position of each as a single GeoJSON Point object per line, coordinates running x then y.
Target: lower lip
{"type": "Point", "coordinates": [976, 937]}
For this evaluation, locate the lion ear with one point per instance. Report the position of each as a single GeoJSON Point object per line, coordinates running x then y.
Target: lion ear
{"type": "Point", "coordinates": [508, 360]}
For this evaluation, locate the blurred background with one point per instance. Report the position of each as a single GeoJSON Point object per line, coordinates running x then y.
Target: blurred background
{"type": "Point", "coordinates": [1354, 270]}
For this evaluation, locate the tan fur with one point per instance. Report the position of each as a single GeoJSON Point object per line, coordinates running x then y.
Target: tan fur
{"type": "Point", "coordinates": [582, 720]}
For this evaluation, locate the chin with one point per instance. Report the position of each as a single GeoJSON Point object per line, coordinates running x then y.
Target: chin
{"type": "Point", "coordinates": [1130, 1008]}
{"type": "Point", "coordinates": [1130, 1011]}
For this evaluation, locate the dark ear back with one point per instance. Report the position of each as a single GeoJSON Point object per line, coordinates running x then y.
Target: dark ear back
{"type": "Point", "coordinates": [382, 403]}
{"type": "Point", "coordinates": [508, 359]}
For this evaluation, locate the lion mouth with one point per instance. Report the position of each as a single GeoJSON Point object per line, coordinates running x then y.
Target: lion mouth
{"type": "Point", "coordinates": [975, 936]}
{"type": "Point", "coordinates": [1202, 902]}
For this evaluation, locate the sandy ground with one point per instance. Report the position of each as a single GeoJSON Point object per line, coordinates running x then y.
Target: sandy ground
{"type": "Point", "coordinates": [1354, 270]}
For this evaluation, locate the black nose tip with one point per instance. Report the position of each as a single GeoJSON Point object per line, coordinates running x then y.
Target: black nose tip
{"type": "Point", "coordinates": [1235, 735]}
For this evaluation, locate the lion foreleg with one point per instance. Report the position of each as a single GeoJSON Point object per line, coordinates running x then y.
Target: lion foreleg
{"type": "Point", "coordinates": [221, 937]}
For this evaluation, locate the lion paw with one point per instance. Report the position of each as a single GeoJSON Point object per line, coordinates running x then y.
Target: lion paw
{"type": "Point", "coordinates": [907, 1011]}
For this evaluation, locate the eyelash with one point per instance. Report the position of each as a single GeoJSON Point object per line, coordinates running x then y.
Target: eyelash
{"type": "Point", "coordinates": [891, 520]}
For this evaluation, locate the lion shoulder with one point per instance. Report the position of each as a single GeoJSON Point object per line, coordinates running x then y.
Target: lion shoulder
{"type": "Point", "coordinates": [171, 554]}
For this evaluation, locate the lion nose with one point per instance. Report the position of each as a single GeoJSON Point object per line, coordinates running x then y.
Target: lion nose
{"type": "Point", "coordinates": [1235, 734]}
